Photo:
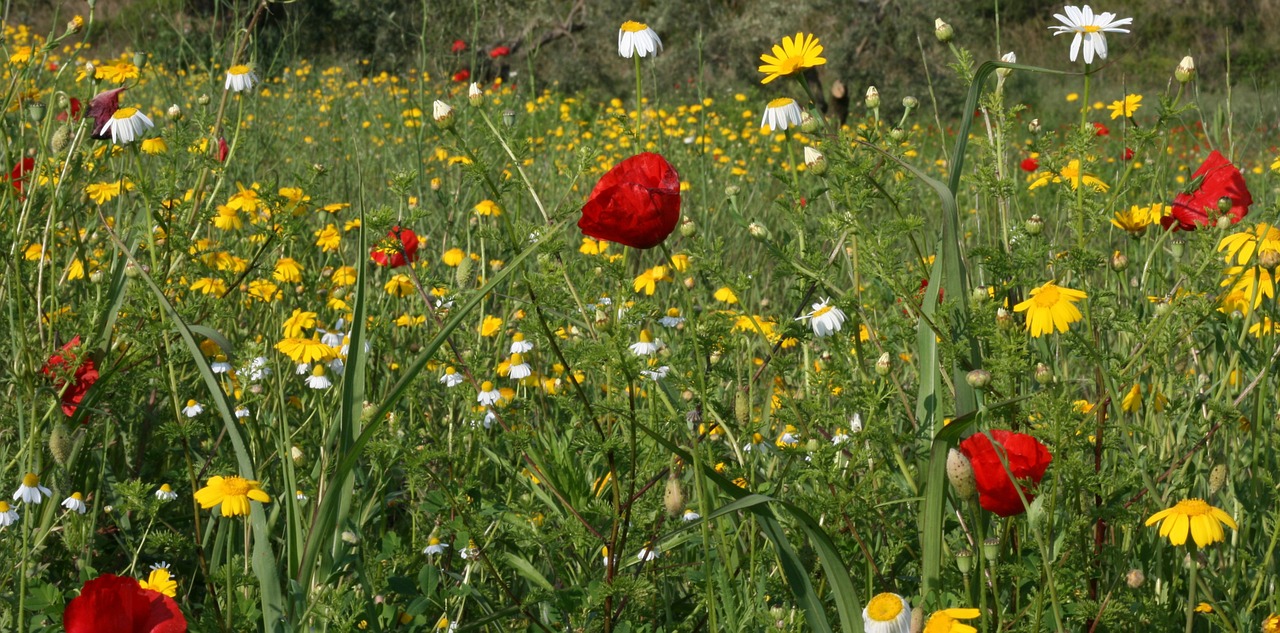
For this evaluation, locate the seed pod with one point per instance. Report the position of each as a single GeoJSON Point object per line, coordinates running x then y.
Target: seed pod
{"type": "Point", "coordinates": [60, 443]}
{"type": "Point", "coordinates": [960, 474]}
{"type": "Point", "coordinates": [673, 497]}
{"type": "Point", "coordinates": [1217, 478]}
{"type": "Point", "coordinates": [462, 274]}
{"type": "Point", "coordinates": [61, 139]}
{"type": "Point", "coordinates": [741, 407]}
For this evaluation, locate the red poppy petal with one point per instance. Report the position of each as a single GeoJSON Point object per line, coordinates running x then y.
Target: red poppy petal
{"type": "Point", "coordinates": [637, 203]}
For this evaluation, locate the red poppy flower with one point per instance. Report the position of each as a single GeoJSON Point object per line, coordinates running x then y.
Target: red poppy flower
{"type": "Point", "coordinates": [101, 107]}
{"type": "Point", "coordinates": [637, 203]}
{"type": "Point", "coordinates": [1100, 130]}
{"type": "Point", "coordinates": [75, 110]}
{"type": "Point", "coordinates": [1128, 153]}
{"type": "Point", "coordinates": [1216, 179]}
{"type": "Point", "coordinates": [399, 248]}
{"type": "Point", "coordinates": [462, 75]}
{"type": "Point", "coordinates": [1030, 164]}
{"type": "Point", "coordinates": [223, 150]}
{"type": "Point", "coordinates": [1027, 457]}
{"type": "Point", "coordinates": [20, 171]}
{"type": "Point", "coordinates": [112, 604]}
{"type": "Point", "coordinates": [459, 46]}
{"type": "Point", "coordinates": [84, 376]}
{"type": "Point", "coordinates": [501, 51]}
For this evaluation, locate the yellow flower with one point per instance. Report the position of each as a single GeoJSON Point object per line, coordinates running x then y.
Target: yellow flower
{"type": "Point", "coordinates": [680, 262]}
{"type": "Point", "coordinates": [592, 247]}
{"type": "Point", "coordinates": [232, 493]}
{"type": "Point", "coordinates": [1126, 106]}
{"type": "Point", "coordinates": [1134, 221]}
{"type": "Point", "coordinates": [227, 219]}
{"type": "Point", "coordinates": [288, 270]}
{"type": "Point", "coordinates": [155, 145]}
{"type": "Point", "coordinates": [328, 238]}
{"type": "Point", "coordinates": [104, 192]}
{"type": "Point", "coordinates": [34, 252]}
{"type": "Point", "coordinates": [791, 57]}
{"type": "Point", "coordinates": [264, 290]}
{"type": "Point", "coordinates": [726, 295]}
{"type": "Point", "coordinates": [1050, 309]}
{"type": "Point", "coordinates": [1133, 400]}
{"type": "Point", "coordinates": [1252, 283]}
{"type": "Point", "coordinates": [453, 257]}
{"type": "Point", "coordinates": [116, 73]}
{"type": "Point", "coordinates": [490, 326]}
{"type": "Point", "coordinates": [1242, 246]}
{"type": "Point", "coordinates": [305, 350]}
{"type": "Point", "coordinates": [343, 276]}
{"type": "Point", "coordinates": [1203, 521]}
{"type": "Point", "coordinates": [1071, 173]}
{"type": "Point", "coordinates": [297, 322]}
{"type": "Point", "coordinates": [1204, 607]}
{"type": "Point", "coordinates": [405, 320]}
{"type": "Point", "coordinates": [945, 621]}
{"type": "Point", "coordinates": [647, 281]}
{"type": "Point", "coordinates": [161, 581]}
{"type": "Point", "coordinates": [244, 200]}
{"type": "Point", "coordinates": [20, 56]}
{"type": "Point", "coordinates": [488, 207]}
{"type": "Point", "coordinates": [210, 286]}
{"type": "Point", "coordinates": [1271, 624]}
{"type": "Point", "coordinates": [399, 285]}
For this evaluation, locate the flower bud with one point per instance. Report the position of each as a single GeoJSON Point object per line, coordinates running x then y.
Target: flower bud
{"type": "Point", "coordinates": [1269, 258]}
{"type": "Point", "coordinates": [884, 364]}
{"type": "Point", "coordinates": [1034, 225]}
{"type": "Point", "coordinates": [741, 407]}
{"type": "Point", "coordinates": [475, 96]}
{"type": "Point", "coordinates": [991, 549]}
{"type": "Point", "coordinates": [980, 294]}
{"type": "Point", "coordinates": [75, 25]}
{"type": "Point", "coordinates": [688, 228]}
{"type": "Point", "coordinates": [1176, 247]}
{"type": "Point", "coordinates": [943, 31]}
{"type": "Point", "coordinates": [1135, 577]}
{"type": "Point", "coordinates": [442, 113]}
{"type": "Point", "coordinates": [1224, 205]}
{"type": "Point", "coordinates": [1217, 478]}
{"type": "Point", "coordinates": [509, 118]}
{"type": "Point", "coordinates": [758, 231]}
{"type": "Point", "coordinates": [296, 455]}
{"type": "Point", "coordinates": [732, 190]}
{"type": "Point", "coordinates": [175, 112]}
{"type": "Point", "coordinates": [1004, 318]}
{"type": "Point", "coordinates": [917, 620]}
{"type": "Point", "coordinates": [964, 560]}
{"type": "Point", "coordinates": [204, 100]}
{"type": "Point", "coordinates": [808, 124]}
{"type": "Point", "coordinates": [978, 378]}
{"type": "Point", "coordinates": [1008, 58]}
{"type": "Point", "coordinates": [815, 161]}
{"type": "Point", "coordinates": [960, 474]}
{"type": "Point", "coordinates": [673, 497]}
{"type": "Point", "coordinates": [1119, 261]}
{"type": "Point", "coordinates": [60, 443]}
{"type": "Point", "coordinates": [1044, 375]}
{"type": "Point", "coordinates": [1034, 126]}
{"type": "Point", "coordinates": [462, 274]}
{"type": "Point", "coordinates": [873, 98]}
{"type": "Point", "coordinates": [140, 59]}
{"type": "Point", "coordinates": [909, 102]}
{"type": "Point", "coordinates": [1186, 70]}
{"type": "Point", "coordinates": [350, 537]}
{"type": "Point", "coordinates": [35, 111]}
{"type": "Point", "coordinates": [897, 135]}
{"type": "Point", "coordinates": [61, 139]}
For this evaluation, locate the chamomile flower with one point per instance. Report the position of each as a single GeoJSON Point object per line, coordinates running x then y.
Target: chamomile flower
{"type": "Point", "coordinates": [8, 515]}
{"type": "Point", "coordinates": [636, 38]}
{"type": "Point", "coordinates": [787, 438]}
{"type": "Point", "coordinates": [825, 319]}
{"type": "Point", "coordinates": [165, 493]}
{"type": "Point", "coordinates": [855, 423]}
{"type": "Point", "coordinates": [647, 345]}
{"type": "Point", "coordinates": [75, 503]}
{"type": "Point", "coordinates": [192, 409]}
{"type": "Point", "coordinates": [30, 491]}
{"type": "Point", "coordinates": [242, 412]}
{"type": "Point", "coordinates": [839, 437]}
{"type": "Point", "coordinates": [435, 547]}
{"type": "Point", "coordinates": [519, 345]}
{"type": "Point", "coordinates": [489, 395]}
{"type": "Point", "coordinates": [240, 78]}
{"type": "Point", "coordinates": [126, 125]}
{"type": "Point", "coordinates": [1090, 30]}
{"type": "Point", "coordinates": [672, 319]}
{"type": "Point", "coordinates": [257, 369]}
{"type": "Point", "coordinates": [220, 365]}
{"type": "Point", "coordinates": [451, 377]}
{"type": "Point", "coordinates": [317, 379]}
{"type": "Point", "coordinates": [690, 516]}
{"type": "Point", "coordinates": [886, 613]}
{"type": "Point", "coordinates": [519, 369]}
{"type": "Point", "coordinates": [647, 554]}
{"type": "Point", "coordinates": [470, 551]}
{"type": "Point", "coordinates": [781, 113]}
{"type": "Point", "coordinates": [656, 374]}
{"type": "Point", "coordinates": [302, 369]}
{"type": "Point", "coordinates": [300, 496]}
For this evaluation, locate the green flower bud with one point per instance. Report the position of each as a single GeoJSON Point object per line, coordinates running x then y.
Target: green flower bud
{"type": "Point", "coordinates": [1186, 70]}
{"type": "Point", "coordinates": [978, 378]}
{"type": "Point", "coordinates": [1217, 478]}
{"type": "Point", "coordinates": [964, 561]}
{"type": "Point", "coordinates": [943, 31]}
{"type": "Point", "coordinates": [1034, 225]}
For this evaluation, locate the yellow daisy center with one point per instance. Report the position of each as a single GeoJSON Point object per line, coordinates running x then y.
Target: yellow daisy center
{"type": "Point", "coordinates": [77, 496]}
{"type": "Point", "coordinates": [238, 69]}
{"type": "Point", "coordinates": [517, 359]}
{"type": "Point", "coordinates": [781, 102]}
{"type": "Point", "coordinates": [1092, 28]}
{"type": "Point", "coordinates": [645, 336]}
{"type": "Point", "coordinates": [821, 311]}
{"type": "Point", "coordinates": [634, 27]}
{"type": "Point", "coordinates": [791, 64]}
{"type": "Point", "coordinates": [486, 386]}
{"type": "Point", "coordinates": [884, 607]}
{"type": "Point", "coordinates": [235, 486]}
{"type": "Point", "coordinates": [1193, 508]}
{"type": "Point", "coordinates": [1048, 297]}
{"type": "Point", "coordinates": [673, 312]}
{"type": "Point", "coordinates": [517, 337]}
{"type": "Point", "coordinates": [4, 506]}
{"type": "Point", "coordinates": [124, 113]}
{"type": "Point", "coordinates": [31, 480]}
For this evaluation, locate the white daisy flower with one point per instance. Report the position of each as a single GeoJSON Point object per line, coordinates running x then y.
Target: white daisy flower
{"type": "Point", "coordinates": [127, 125]}
{"type": "Point", "coordinates": [165, 493]}
{"type": "Point", "coordinates": [488, 394]}
{"type": "Point", "coordinates": [519, 345]}
{"type": "Point", "coordinates": [489, 418]}
{"type": "Point", "coordinates": [519, 368]}
{"type": "Point", "coordinates": [451, 377]}
{"type": "Point", "coordinates": [886, 613]}
{"type": "Point", "coordinates": [435, 547]}
{"type": "Point", "coordinates": [470, 551]}
{"type": "Point", "coordinates": [8, 516]}
{"type": "Point", "coordinates": [337, 366]}
{"type": "Point", "coordinates": [673, 318]}
{"type": "Point", "coordinates": [646, 554]}
{"type": "Point", "coordinates": [812, 156]}
{"type": "Point", "coordinates": [1090, 30]}
{"type": "Point", "coordinates": [647, 345]}
{"type": "Point", "coordinates": [257, 369]}
{"type": "Point", "coordinates": [30, 491]}
{"type": "Point", "coordinates": [302, 369]}
{"type": "Point", "coordinates": [317, 379]}
{"type": "Point", "coordinates": [302, 498]}
{"type": "Point", "coordinates": [220, 365]}
{"type": "Point", "coordinates": [690, 516]}
{"type": "Point", "coordinates": [825, 318]}
{"type": "Point", "coordinates": [788, 437]}
{"type": "Point", "coordinates": [635, 38]}
{"type": "Point", "coordinates": [441, 111]}
{"type": "Point", "coordinates": [192, 409]}
{"type": "Point", "coordinates": [656, 374]}
{"type": "Point", "coordinates": [781, 114]}
{"type": "Point", "coordinates": [242, 412]}
{"type": "Point", "coordinates": [240, 78]}
{"type": "Point", "coordinates": [75, 503]}
{"type": "Point", "coordinates": [839, 437]}
{"type": "Point", "coordinates": [855, 423]}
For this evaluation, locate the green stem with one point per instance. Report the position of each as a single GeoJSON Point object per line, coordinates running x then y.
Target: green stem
{"type": "Point", "coordinates": [639, 101]}
{"type": "Point", "coordinates": [1084, 121]}
{"type": "Point", "coordinates": [1191, 592]}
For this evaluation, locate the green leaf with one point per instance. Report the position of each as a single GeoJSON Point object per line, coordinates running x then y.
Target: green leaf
{"type": "Point", "coordinates": [526, 569]}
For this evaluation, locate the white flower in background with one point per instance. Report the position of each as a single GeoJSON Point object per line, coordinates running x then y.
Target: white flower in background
{"type": "Point", "coordinates": [220, 365]}
{"type": "Point", "coordinates": [435, 547]}
{"type": "Point", "coordinates": [302, 369]}
{"type": "Point", "coordinates": [240, 78]}
{"type": "Point", "coordinates": [1090, 30]}
{"type": "Point", "coordinates": [317, 379]}
{"type": "Point", "coordinates": [646, 554]}
{"type": "Point", "coordinates": [519, 345]}
{"type": "Point", "coordinates": [75, 503]}
{"type": "Point", "coordinates": [781, 114]}
{"type": "Point", "coordinates": [451, 377]}
{"type": "Point", "coordinates": [488, 394]}
{"type": "Point", "coordinates": [690, 516]}
{"type": "Point", "coordinates": [165, 493]}
{"type": "Point", "coordinates": [839, 437]}
{"type": "Point", "coordinates": [647, 345]}
{"type": "Point", "coordinates": [673, 318]}
{"type": "Point", "coordinates": [242, 412]}
{"type": "Point", "coordinates": [519, 369]}
{"type": "Point", "coordinates": [855, 423]}
{"type": "Point", "coordinates": [192, 409]}
{"type": "Point", "coordinates": [127, 125]}
{"type": "Point", "coordinates": [302, 498]}
{"type": "Point", "coordinates": [441, 111]}
{"type": "Point", "coordinates": [635, 38]}
{"type": "Point", "coordinates": [825, 318]}
{"type": "Point", "coordinates": [656, 374]}
{"type": "Point", "coordinates": [30, 490]}
{"type": "Point", "coordinates": [8, 516]}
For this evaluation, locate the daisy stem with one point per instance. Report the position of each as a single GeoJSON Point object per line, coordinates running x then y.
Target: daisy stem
{"type": "Point", "coordinates": [1084, 121]}
{"type": "Point", "coordinates": [639, 100]}
{"type": "Point", "coordinates": [1191, 591]}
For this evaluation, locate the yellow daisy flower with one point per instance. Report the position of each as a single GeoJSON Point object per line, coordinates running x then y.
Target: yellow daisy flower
{"type": "Point", "coordinates": [945, 621]}
{"type": "Point", "coordinates": [1192, 516]}
{"type": "Point", "coordinates": [161, 580]}
{"type": "Point", "coordinates": [1050, 309]}
{"type": "Point", "coordinates": [792, 56]}
{"type": "Point", "coordinates": [1125, 107]}
{"type": "Point", "coordinates": [231, 493]}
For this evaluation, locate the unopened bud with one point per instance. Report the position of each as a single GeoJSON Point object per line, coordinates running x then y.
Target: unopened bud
{"type": "Point", "coordinates": [897, 135]}
{"type": "Point", "coordinates": [1269, 258]}
{"type": "Point", "coordinates": [1004, 318]}
{"type": "Point", "coordinates": [732, 190]}
{"type": "Point", "coordinates": [673, 497]}
{"type": "Point", "coordinates": [61, 138]}
{"type": "Point", "coordinates": [1224, 204]}
{"type": "Point", "coordinates": [204, 100]}
{"type": "Point", "coordinates": [884, 364]}
{"type": "Point", "coordinates": [140, 59]}
{"type": "Point", "coordinates": [741, 407]}
{"type": "Point", "coordinates": [1008, 58]}
{"type": "Point", "coordinates": [943, 31]}
{"type": "Point", "coordinates": [297, 455]}
{"type": "Point", "coordinates": [960, 474]}
{"type": "Point", "coordinates": [808, 124]}
{"type": "Point", "coordinates": [815, 161]}
{"type": "Point", "coordinates": [1135, 577]}
{"type": "Point", "coordinates": [1217, 478]}
{"type": "Point", "coordinates": [990, 549]}
{"type": "Point", "coordinates": [1034, 126]}
{"type": "Point", "coordinates": [978, 378]}
{"type": "Point", "coordinates": [509, 118]}
{"type": "Point", "coordinates": [980, 294]}
{"type": "Point", "coordinates": [1186, 70]}
{"type": "Point", "coordinates": [442, 113]}
{"type": "Point", "coordinates": [758, 231]}
{"type": "Point", "coordinates": [873, 98]}
{"type": "Point", "coordinates": [964, 560]}
{"type": "Point", "coordinates": [60, 443]}
{"type": "Point", "coordinates": [1044, 375]}
{"type": "Point", "coordinates": [1119, 261]}
{"type": "Point", "coordinates": [909, 102]}
{"type": "Point", "coordinates": [1176, 247]}
{"type": "Point", "coordinates": [475, 96]}
{"type": "Point", "coordinates": [36, 111]}
{"type": "Point", "coordinates": [462, 274]}
{"type": "Point", "coordinates": [688, 228]}
{"type": "Point", "coordinates": [1034, 225]}
{"type": "Point", "coordinates": [175, 112]}
{"type": "Point", "coordinates": [75, 25]}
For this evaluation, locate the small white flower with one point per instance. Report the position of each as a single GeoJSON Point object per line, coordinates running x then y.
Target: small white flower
{"type": "Point", "coordinates": [8, 515]}
{"type": "Point", "coordinates": [470, 551]}
{"type": "Point", "coordinates": [781, 114]}
{"type": "Point", "coordinates": [435, 547]}
{"type": "Point", "coordinates": [317, 379]}
{"type": "Point", "coordinates": [689, 140]}
{"type": "Point", "coordinates": [839, 438]}
{"type": "Point", "coordinates": [672, 319]}
{"type": "Point", "coordinates": [337, 366]}
{"type": "Point", "coordinates": [825, 319]}
{"type": "Point", "coordinates": [635, 38]}
{"type": "Point", "coordinates": [220, 365]}
{"type": "Point", "coordinates": [127, 125]}
{"type": "Point", "coordinates": [690, 516]}
{"type": "Point", "coordinates": [192, 409]}
{"type": "Point", "coordinates": [488, 394]}
{"type": "Point", "coordinates": [302, 498]}
{"type": "Point", "coordinates": [441, 111]}
{"type": "Point", "coordinates": [788, 438]}
{"type": "Point", "coordinates": [1090, 30]}
{"type": "Point", "coordinates": [519, 368]}
{"type": "Point", "coordinates": [242, 411]}
{"type": "Point", "coordinates": [75, 503]}
{"type": "Point", "coordinates": [855, 423]}
{"type": "Point", "coordinates": [519, 345]}
{"type": "Point", "coordinates": [656, 374]}
{"type": "Point", "coordinates": [240, 78]}
{"type": "Point", "coordinates": [257, 369]}
{"type": "Point", "coordinates": [647, 345]}
{"type": "Point", "coordinates": [451, 378]}
{"type": "Point", "coordinates": [474, 92]}
{"type": "Point", "coordinates": [30, 490]}
{"type": "Point", "coordinates": [165, 493]}
{"type": "Point", "coordinates": [302, 369]}
{"type": "Point", "coordinates": [332, 338]}
{"type": "Point", "coordinates": [647, 554]}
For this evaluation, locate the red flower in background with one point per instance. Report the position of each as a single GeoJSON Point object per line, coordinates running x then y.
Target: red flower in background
{"type": "Point", "coordinates": [112, 604]}
{"type": "Point", "coordinates": [1100, 129]}
{"type": "Point", "coordinates": [459, 46]}
{"type": "Point", "coordinates": [1216, 179]}
{"type": "Point", "coordinates": [223, 150]}
{"type": "Point", "coordinates": [400, 248]}
{"type": "Point", "coordinates": [18, 177]}
{"type": "Point", "coordinates": [501, 51]}
{"type": "Point", "coordinates": [101, 107]}
{"type": "Point", "coordinates": [1030, 164]}
{"type": "Point", "coordinates": [462, 75]}
{"type": "Point", "coordinates": [1027, 457]}
{"type": "Point", "coordinates": [637, 203]}
{"type": "Point", "coordinates": [83, 378]}
{"type": "Point", "coordinates": [1128, 153]}
{"type": "Point", "coordinates": [75, 110]}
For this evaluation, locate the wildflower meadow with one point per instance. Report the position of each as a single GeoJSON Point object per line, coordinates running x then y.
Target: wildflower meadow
{"type": "Point", "coordinates": [300, 347]}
